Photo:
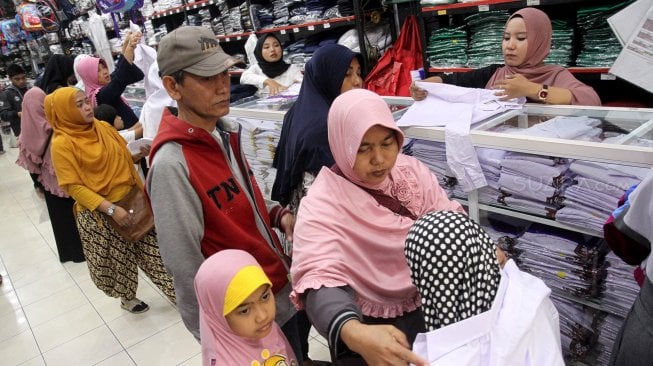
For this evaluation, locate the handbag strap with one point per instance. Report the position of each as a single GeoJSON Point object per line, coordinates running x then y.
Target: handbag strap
{"type": "Point", "coordinates": [389, 202]}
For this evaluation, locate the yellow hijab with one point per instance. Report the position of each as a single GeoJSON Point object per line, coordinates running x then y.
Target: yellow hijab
{"type": "Point", "coordinates": [89, 154]}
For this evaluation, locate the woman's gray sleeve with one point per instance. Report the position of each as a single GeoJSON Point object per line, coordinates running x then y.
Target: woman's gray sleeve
{"type": "Point", "coordinates": [328, 309]}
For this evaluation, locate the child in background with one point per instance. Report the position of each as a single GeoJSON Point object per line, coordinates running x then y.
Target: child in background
{"type": "Point", "coordinates": [237, 313]}
{"type": "Point", "coordinates": [107, 113]}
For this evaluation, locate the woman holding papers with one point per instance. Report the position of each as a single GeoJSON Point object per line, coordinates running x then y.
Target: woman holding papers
{"type": "Point", "coordinates": [271, 74]}
{"type": "Point", "coordinates": [526, 43]}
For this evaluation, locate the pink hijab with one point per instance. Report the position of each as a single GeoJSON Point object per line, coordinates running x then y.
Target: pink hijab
{"type": "Point", "coordinates": [538, 29]}
{"type": "Point", "coordinates": [220, 345]}
{"type": "Point", "coordinates": [88, 68]}
{"type": "Point", "coordinates": [343, 237]}
{"type": "Point", "coordinates": [34, 141]}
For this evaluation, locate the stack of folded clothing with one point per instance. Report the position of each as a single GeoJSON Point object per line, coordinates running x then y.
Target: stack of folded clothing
{"type": "Point", "coordinates": [573, 266]}
{"type": "Point", "coordinates": [245, 18]}
{"type": "Point", "coordinates": [579, 329]}
{"type": "Point", "coordinates": [225, 18]}
{"type": "Point", "coordinates": [261, 14]}
{"type": "Point", "coordinates": [298, 14]}
{"type": "Point", "coordinates": [433, 155]}
{"type": "Point", "coordinates": [533, 183]}
{"type": "Point", "coordinates": [600, 47]}
{"type": "Point", "coordinates": [486, 29]}
{"type": "Point", "coordinates": [566, 261]}
{"type": "Point", "coordinates": [447, 47]}
{"type": "Point", "coordinates": [281, 13]}
{"type": "Point", "coordinates": [259, 141]}
{"type": "Point", "coordinates": [619, 287]}
{"type": "Point", "coordinates": [609, 328]}
{"type": "Point", "coordinates": [345, 8]}
{"type": "Point", "coordinates": [315, 9]}
{"type": "Point", "coordinates": [504, 231]}
{"type": "Point", "coordinates": [235, 18]}
{"type": "Point", "coordinates": [598, 188]}
{"type": "Point", "coordinates": [580, 128]}
{"type": "Point", "coordinates": [561, 43]}
{"type": "Point", "coordinates": [618, 295]}
{"type": "Point", "coordinates": [490, 160]}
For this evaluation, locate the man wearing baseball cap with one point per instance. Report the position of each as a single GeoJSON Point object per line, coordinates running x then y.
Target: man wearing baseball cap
{"type": "Point", "coordinates": [204, 196]}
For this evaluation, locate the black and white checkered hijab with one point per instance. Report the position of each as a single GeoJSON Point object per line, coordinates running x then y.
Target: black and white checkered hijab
{"type": "Point", "coordinates": [453, 264]}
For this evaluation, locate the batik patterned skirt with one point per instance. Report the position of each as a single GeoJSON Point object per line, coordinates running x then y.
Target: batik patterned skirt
{"type": "Point", "coordinates": [113, 262]}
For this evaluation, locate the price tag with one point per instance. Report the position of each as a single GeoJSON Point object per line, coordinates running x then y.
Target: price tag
{"type": "Point", "coordinates": [442, 12]}
{"type": "Point", "coordinates": [283, 31]}
{"type": "Point", "coordinates": [532, 2]}
{"type": "Point", "coordinates": [326, 25]}
{"type": "Point", "coordinates": [176, 11]}
{"type": "Point", "coordinates": [311, 28]}
{"type": "Point", "coordinates": [194, 6]}
{"type": "Point", "coordinates": [227, 39]}
{"type": "Point", "coordinates": [608, 76]}
{"type": "Point", "coordinates": [238, 38]}
{"type": "Point", "coordinates": [483, 7]}
{"type": "Point", "coordinates": [295, 30]}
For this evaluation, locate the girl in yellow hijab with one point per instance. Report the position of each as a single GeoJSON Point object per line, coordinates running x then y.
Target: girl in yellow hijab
{"type": "Point", "coordinates": [94, 166]}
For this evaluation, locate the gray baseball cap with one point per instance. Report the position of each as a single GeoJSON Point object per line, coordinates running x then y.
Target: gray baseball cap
{"type": "Point", "coordinates": [195, 50]}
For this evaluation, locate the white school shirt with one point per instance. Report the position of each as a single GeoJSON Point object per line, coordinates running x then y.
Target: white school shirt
{"type": "Point", "coordinates": [255, 76]}
{"type": "Point", "coordinates": [522, 328]}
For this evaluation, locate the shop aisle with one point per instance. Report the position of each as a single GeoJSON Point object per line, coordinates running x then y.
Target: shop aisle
{"type": "Point", "coordinates": [52, 314]}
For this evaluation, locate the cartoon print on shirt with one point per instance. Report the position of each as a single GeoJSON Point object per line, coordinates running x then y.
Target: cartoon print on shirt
{"type": "Point", "coordinates": [273, 360]}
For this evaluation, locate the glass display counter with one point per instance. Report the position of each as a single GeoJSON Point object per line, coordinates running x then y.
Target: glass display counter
{"type": "Point", "coordinates": [552, 224]}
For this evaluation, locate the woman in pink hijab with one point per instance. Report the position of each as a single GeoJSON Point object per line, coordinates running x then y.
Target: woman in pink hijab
{"type": "Point", "coordinates": [105, 88]}
{"type": "Point", "coordinates": [348, 269]}
{"type": "Point", "coordinates": [237, 312]}
{"type": "Point", "coordinates": [526, 43]}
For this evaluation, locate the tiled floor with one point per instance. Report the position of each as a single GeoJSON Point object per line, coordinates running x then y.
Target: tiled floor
{"type": "Point", "coordinates": [52, 314]}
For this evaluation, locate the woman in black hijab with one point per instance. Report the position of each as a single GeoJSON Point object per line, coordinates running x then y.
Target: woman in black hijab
{"type": "Point", "coordinates": [270, 74]}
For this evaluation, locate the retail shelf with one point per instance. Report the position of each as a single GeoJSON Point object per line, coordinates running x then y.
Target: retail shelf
{"type": "Point", "coordinates": [233, 37]}
{"type": "Point", "coordinates": [487, 5]}
{"type": "Point", "coordinates": [589, 70]}
{"type": "Point", "coordinates": [528, 217]}
{"type": "Point", "coordinates": [296, 28]}
{"type": "Point", "coordinates": [395, 2]}
{"type": "Point", "coordinates": [179, 9]}
{"type": "Point", "coordinates": [444, 9]}
{"type": "Point", "coordinates": [573, 70]}
{"type": "Point", "coordinates": [592, 303]}
{"type": "Point", "coordinates": [322, 24]}
{"type": "Point", "coordinates": [609, 153]}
